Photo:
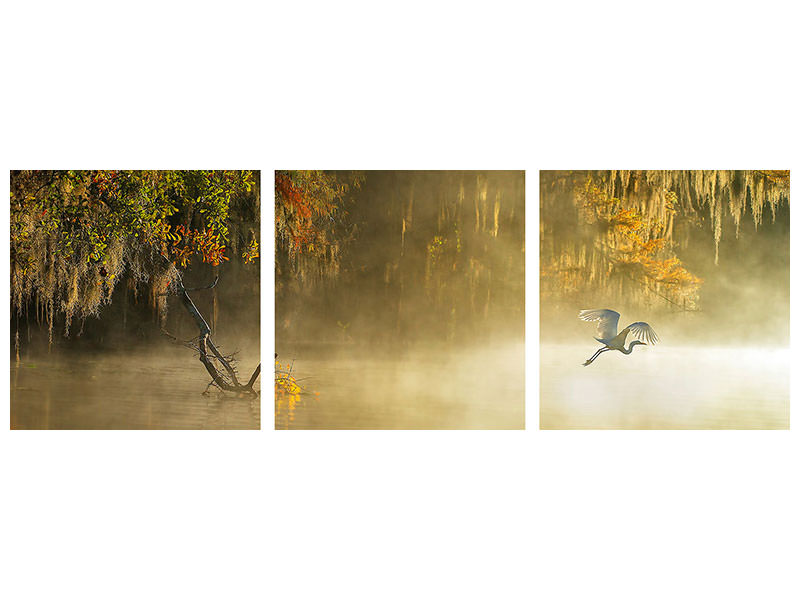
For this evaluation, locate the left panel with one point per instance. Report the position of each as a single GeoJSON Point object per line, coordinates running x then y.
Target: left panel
{"type": "Point", "coordinates": [135, 299]}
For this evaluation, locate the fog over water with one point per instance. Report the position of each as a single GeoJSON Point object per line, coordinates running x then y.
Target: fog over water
{"type": "Point", "coordinates": [425, 389]}
{"type": "Point", "coordinates": [413, 316]}
{"type": "Point", "coordinates": [722, 361]}
{"type": "Point", "coordinates": [121, 280]}
{"type": "Point", "coordinates": [123, 373]}
{"type": "Point", "coordinates": [157, 389]}
{"type": "Point", "coordinates": [665, 387]}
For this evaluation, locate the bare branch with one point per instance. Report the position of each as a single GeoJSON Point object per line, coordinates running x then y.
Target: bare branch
{"type": "Point", "coordinates": [231, 382]}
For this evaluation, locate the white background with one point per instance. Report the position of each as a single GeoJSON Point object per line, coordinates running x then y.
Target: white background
{"type": "Point", "coordinates": [399, 514]}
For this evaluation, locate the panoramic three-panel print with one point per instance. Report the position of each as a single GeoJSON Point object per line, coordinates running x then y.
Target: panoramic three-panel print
{"type": "Point", "coordinates": [399, 299]}
{"type": "Point", "coordinates": [135, 300]}
{"type": "Point", "coordinates": [664, 299]}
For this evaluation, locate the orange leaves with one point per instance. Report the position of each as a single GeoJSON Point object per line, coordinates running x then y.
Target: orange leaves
{"type": "Point", "coordinates": [632, 244]}
{"type": "Point", "coordinates": [594, 204]}
{"type": "Point", "coordinates": [182, 256]}
{"type": "Point", "coordinates": [670, 271]}
{"type": "Point", "coordinates": [299, 211]}
{"type": "Point", "coordinates": [780, 177]}
{"type": "Point", "coordinates": [287, 190]}
{"type": "Point", "coordinates": [251, 252]}
{"type": "Point", "coordinates": [187, 242]}
{"type": "Point", "coordinates": [106, 181]}
{"type": "Point", "coordinates": [305, 205]}
{"type": "Point", "coordinates": [208, 244]}
{"type": "Point", "coordinates": [626, 219]}
{"type": "Point", "coordinates": [651, 246]}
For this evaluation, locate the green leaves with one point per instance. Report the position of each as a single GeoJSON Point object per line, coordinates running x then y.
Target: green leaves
{"type": "Point", "coordinates": [62, 221]}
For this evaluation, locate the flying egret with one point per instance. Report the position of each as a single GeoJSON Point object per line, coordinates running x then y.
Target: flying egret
{"type": "Point", "coordinates": [607, 332]}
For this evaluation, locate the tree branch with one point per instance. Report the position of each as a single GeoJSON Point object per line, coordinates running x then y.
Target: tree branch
{"type": "Point", "coordinates": [205, 344]}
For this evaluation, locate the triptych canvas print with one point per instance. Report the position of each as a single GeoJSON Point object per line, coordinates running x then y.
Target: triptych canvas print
{"type": "Point", "coordinates": [399, 299]}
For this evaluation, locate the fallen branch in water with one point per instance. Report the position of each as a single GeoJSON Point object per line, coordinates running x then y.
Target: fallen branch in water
{"type": "Point", "coordinates": [225, 378]}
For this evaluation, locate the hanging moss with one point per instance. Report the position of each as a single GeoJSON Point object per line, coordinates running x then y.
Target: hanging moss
{"type": "Point", "coordinates": [428, 253]}
{"type": "Point", "coordinates": [626, 228]}
{"type": "Point", "coordinates": [696, 191]}
{"type": "Point", "coordinates": [75, 234]}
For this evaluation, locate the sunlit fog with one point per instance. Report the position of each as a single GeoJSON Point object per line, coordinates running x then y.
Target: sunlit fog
{"type": "Point", "coordinates": [135, 300]}
{"type": "Point", "coordinates": [399, 299]}
{"type": "Point", "coordinates": [700, 258]}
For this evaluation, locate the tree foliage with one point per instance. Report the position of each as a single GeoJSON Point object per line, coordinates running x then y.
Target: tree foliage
{"type": "Point", "coordinates": [399, 257]}
{"type": "Point", "coordinates": [75, 233]}
{"type": "Point", "coordinates": [308, 205]}
{"type": "Point", "coordinates": [617, 235]}
{"type": "Point", "coordinates": [635, 245]}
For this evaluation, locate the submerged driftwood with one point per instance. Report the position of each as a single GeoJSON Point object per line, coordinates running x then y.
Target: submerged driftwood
{"type": "Point", "coordinates": [210, 355]}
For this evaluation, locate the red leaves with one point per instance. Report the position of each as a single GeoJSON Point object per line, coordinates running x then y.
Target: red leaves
{"type": "Point", "coordinates": [293, 197]}
{"type": "Point", "coordinates": [303, 212]}
{"type": "Point", "coordinates": [106, 181]}
{"type": "Point", "coordinates": [204, 242]}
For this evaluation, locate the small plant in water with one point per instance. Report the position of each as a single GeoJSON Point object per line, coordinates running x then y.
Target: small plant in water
{"type": "Point", "coordinates": [285, 382]}
{"type": "Point", "coordinates": [288, 394]}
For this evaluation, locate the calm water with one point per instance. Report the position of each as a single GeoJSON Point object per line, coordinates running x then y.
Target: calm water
{"type": "Point", "coordinates": [434, 390]}
{"type": "Point", "coordinates": [663, 387]}
{"type": "Point", "coordinates": [124, 391]}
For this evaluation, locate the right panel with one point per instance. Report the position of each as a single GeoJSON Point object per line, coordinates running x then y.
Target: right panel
{"type": "Point", "coordinates": [664, 299]}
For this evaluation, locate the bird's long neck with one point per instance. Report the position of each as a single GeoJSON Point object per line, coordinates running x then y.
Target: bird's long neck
{"type": "Point", "coordinates": [629, 349]}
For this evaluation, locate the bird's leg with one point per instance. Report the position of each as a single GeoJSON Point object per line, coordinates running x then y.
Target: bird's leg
{"type": "Point", "coordinates": [595, 355]}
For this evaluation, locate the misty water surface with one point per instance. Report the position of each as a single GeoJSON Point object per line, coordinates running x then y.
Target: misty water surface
{"type": "Point", "coordinates": [665, 387]}
{"type": "Point", "coordinates": [145, 390]}
{"type": "Point", "coordinates": [423, 389]}
{"type": "Point", "coordinates": [407, 311]}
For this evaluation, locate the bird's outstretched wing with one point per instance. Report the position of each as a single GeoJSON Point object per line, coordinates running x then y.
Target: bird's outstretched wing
{"type": "Point", "coordinates": [642, 331]}
{"type": "Point", "coordinates": [607, 321]}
